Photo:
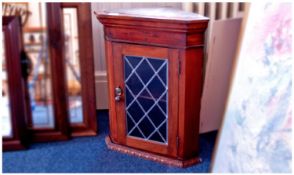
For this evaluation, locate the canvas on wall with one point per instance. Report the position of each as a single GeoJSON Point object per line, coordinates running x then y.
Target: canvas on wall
{"type": "Point", "coordinates": [256, 133]}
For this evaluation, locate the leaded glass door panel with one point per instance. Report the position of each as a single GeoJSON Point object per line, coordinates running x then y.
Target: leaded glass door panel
{"type": "Point", "coordinates": [145, 88]}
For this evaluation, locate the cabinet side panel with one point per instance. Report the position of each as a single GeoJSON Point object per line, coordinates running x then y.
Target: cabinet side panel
{"type": "Point", "coordinates": [173, 105]}
{"type": "Point", "coordinates": [190, 89]}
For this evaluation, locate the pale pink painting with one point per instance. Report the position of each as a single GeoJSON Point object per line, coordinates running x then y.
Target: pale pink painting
{"type": "Point", "coordinates": [256, 135]}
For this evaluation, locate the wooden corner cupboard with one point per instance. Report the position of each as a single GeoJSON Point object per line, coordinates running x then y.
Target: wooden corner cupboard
{"type": "Point", "coordinates": [154, 65]}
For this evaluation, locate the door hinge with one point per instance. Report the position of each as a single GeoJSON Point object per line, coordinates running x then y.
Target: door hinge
{"type": "Point", "coordinates": [179, 67]}
{"type": "Point", "coordinates": [177, 141]}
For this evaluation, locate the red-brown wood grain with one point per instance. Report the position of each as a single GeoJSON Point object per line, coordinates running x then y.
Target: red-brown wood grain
{"type": "Point", "coordinates": [150, 156]}
{"type": "Point", "coordinates": [110, 79]}
{"type": "Point", "coordinates": [190, 89]}
{"type": "Point", "coordinates": [156, 52]}
{"type": "Point", "coordinates": [178, 37]}
{"type": "Point", "coordinates": [89, 125]}
{"type": "Point", "coordinates": [13, 45]}
{"type": "Point", "coordinates": [61, 130]}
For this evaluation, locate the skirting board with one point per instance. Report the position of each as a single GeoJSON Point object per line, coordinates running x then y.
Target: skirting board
{"type": "Point", "coordinates": [151, 156]}
{"type": "Point", "coordinates": [101, 90]}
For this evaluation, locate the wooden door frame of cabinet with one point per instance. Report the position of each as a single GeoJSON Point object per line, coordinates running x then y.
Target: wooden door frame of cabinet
{"type": "Point", "coordinates": [86, 59]}
{"type": "Point", "coordinates": [171, 55]}
{"type": "Point", "coordinates": [11, 27]}
{"type": "Point", "coordinates": [61, 130]}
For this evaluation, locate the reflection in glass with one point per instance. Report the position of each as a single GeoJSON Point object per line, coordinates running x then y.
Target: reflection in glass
{"type": "Point", "coordinates": [70, 24]}
{"type": "Point", "coordinates": [39, 80]}
{"type": "Point", "coordinates": [146, 90]}
{"type": "Point", "coordinates": [5, 107]}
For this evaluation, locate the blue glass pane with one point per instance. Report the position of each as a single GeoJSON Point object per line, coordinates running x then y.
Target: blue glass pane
{"type": "Point", "coordinates": [136, 133]}
{"type": "Point", "coordinates": [156, 137]}
{"type": "Point", "coordinates": [162, 74]}
{"type": "Point", "coordinates": [156, 63]}
{"type": "Point", "coordinates": [162, 103]}
{"type": "Point", "coordinates": [146, 127]}
{"type": "Point", "coordinates": [134, 60]}
{"type": "Point", "coordinates": [162, 130]}
{"type": "Point", "coordinates": [128, 70]}
{"type": "Point", "coordinates": [148, 78]}
{"type": "Point", "coordinates": [136, 112]}
{"type": "Point", "coordinates": [145, 100]}
{"type": "Point", "coordinates": [130, 123]}
{"type": "Point", "coordinates": [156, 88]}
{"type": "Point", "coordinates": [129, 97]}
{"type": "Point", "coordinates": [144, 71]}
{"type": "Point", "coordinates": [156, 116]}
{"type": "Point", "coordinates": [134, 84]}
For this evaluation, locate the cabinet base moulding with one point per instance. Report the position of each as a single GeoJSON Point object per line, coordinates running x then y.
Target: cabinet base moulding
{"type": "Point", "coordinates": [151, 156]}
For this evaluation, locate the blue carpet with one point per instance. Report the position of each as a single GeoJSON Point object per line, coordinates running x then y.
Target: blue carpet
{"type": "Point", "coordinates": [90, 154]}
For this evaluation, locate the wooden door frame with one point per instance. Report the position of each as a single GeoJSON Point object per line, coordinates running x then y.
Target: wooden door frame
{"type": "Point", "coordinates": [86, 58]}
{"type": "Point", "coordinates": [61, 130]}
{"type": "Point", "coordinates": [172, 55]}
{"type": "Point", "coordinates": [11, 27]}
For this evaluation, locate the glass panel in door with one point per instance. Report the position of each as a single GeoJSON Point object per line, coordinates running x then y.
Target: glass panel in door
{"type": "Point", "coordinates": [72, 64]}
{"type": "Point", "coordinates": [146, 93]}
{"type": "Point", "coordinates": [39, 80]}
{"type": "Point", "coordinates": [5, 105]}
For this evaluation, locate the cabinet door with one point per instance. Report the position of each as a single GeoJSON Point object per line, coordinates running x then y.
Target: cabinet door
{"type": "Point", "coordinates": [145, 97]}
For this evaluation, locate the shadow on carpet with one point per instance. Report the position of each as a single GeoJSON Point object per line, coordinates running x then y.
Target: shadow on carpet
{"type": "Point", "coordinates": [90, 154]}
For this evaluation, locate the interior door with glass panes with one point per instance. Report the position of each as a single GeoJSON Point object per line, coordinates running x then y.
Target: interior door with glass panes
{"type": "Point", "coordinates": [79, 66]}
{"type": "Point", "coordinates": [12, 107]}
{"type": "Point", "coordinates": [57, 38]}
{"type": "Point", "coordinates": [46, 100]}
{"type": "Point", "coordinates": [145, 95]}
